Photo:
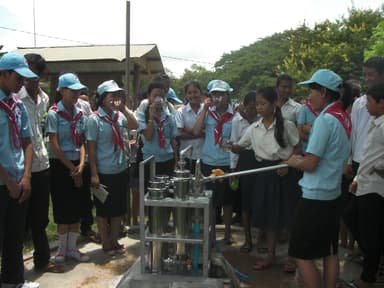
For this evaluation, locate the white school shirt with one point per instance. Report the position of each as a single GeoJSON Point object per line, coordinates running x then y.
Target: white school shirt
{"type": "Point", "coordinates": [36, 111]}
{"type": "Point", "coordinates": [264, 144]}
{"type": "Point", "coordinates": [290, 110]}
{"type": "Point", "coordinates": [186, 117]}
{"type": "Point", "coordinates": [361, 120]}
{"type": "Point", "coordinates": [239, 125]}
{"type": "Point", "coordinates": [373, 158]}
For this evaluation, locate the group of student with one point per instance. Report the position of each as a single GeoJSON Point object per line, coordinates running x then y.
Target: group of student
{"type": "Point", "coordinates": [268, 128]}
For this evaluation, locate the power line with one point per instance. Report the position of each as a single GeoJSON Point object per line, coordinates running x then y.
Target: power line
{"type": "Point", "coordinates": [43, 35]}
{"type": "Point", "coordinates": [189, 60]}
{"type": "Point", "coordinates": [87, 43]}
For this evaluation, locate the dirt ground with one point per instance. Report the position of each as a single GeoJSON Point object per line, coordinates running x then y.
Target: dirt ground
{"type": "Point", "coordinates": [104, 271]}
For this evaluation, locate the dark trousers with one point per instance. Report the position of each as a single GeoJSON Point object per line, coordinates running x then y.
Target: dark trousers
{"type": "Point", "coordinates": [12, 227]}
{"type": "Point", "coordinates": [86, 220]}
{"type": "Point", "coordinates": [37, 217]}
{"type": "Point", "coordinates": [364, 217]}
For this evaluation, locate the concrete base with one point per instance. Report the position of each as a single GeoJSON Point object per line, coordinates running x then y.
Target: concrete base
{"type": "Point", "coordinates": [134, 279]}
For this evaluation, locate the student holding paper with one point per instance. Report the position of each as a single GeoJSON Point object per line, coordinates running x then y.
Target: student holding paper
{"type": "Point", "coordinates": [108, 161]}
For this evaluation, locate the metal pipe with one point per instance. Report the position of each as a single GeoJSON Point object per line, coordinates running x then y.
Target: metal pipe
{"type": "Point", "coordinates": [241, 173]}
{"type": "Point", "coordinates": [185, 150]}
{"type": "Point", "coordinates": [152, 172]}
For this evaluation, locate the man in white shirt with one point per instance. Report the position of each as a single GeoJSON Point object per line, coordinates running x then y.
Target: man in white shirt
{"type": "Point", "coordinates": [289, 107]}
{"type": "Point", "coordinates": [36, 102]}
{"type": "Point", "coordinates": [373, 73]}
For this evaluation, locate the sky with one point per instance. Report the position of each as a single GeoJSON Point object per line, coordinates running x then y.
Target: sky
{"type": "Point", "coordinates": [185, 32]}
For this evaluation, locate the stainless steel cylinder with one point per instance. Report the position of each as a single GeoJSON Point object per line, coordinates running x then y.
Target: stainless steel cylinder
{"type": "Point", "coordinates": [182, 186]}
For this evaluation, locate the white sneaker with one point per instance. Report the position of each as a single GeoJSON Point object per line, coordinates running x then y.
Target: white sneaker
{"type": "Point", "coordinates": [30, 285]}
{"type": "Point", "coordinates": [59, 257]}
{"type": "Point", "coordinates": [77, 255]}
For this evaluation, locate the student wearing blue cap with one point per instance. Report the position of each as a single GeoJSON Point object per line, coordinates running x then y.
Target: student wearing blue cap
{"type": "Point", "coordinates": [15, 169]}
{"type": "Point", "coordinates": [65, 128]}
{"type": "Point", "coordinates": [108, 162]}
{"type": "Point", "coordinates": [36, 102]}
{"type": "Point", "coordinates": [216, 118]}
{"type": "Point", "coordinates": [315, 229]}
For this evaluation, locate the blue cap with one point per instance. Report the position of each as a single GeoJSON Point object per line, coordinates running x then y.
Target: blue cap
{"type": "Point", "coordinates": [109, 86]}
{"type": "Point", "coordinates": [210, 83]}
{"type": "Point", "coordinates": [17, 63]}
{"type": "Point", "coordinates": [171, 95]}
{"type": "Point", "coordinates": [70, 81]}
{"type": "Point", "coordinates": [220, 86]}
{"type": "Point", "coordinates": [326, 78]}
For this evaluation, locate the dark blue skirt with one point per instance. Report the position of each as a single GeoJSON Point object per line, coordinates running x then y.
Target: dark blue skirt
{"type": "Point", "coordinates": [274, 197]}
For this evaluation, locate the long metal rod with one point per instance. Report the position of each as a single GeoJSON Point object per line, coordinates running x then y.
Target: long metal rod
{"type": "Point", "coordinates": [152, 172]}
{"type": "Point", "coordinates": [242, 173]}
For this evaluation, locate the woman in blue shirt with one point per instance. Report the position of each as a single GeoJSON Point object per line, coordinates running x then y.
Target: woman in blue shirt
{"type": "Point", "coordinates": [108, 161]}
{"type": "Point", "coordinates": [316, 222]}
{"type": "Point", "coordinates": [65, 128]}
{"type": "Point", "coordinates": [216, 118]}
{"type": "Point", "coordinates": [158, 129]}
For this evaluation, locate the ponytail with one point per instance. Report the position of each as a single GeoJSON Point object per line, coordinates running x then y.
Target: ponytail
{"type": "Point", "coordinates": [346, 94]}
{"type": "Point", "coordinates": [279, 128]}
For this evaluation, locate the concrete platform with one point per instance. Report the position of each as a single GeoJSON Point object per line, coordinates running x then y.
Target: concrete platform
{"type": "Point", "coordinates": [134, 279]}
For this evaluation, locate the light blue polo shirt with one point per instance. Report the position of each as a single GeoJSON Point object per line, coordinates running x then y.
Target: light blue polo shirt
{"type": "Point", "coordinates": [305, 117]}
{"type": "Point", "coordinates": [108, 160]}
{"type": "Point", "coordinates": [329, 141]}
{"type": "Point", "coordinates": [151, 147]}
{"type": "Point", "coordinates": [11, 158]}
{"type": "Point", "coordinates": [58, 125]}
{"type": "Point", "coordinates": [212, 153]}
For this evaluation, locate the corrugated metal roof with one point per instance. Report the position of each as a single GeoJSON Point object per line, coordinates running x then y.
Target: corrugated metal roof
{"type": "Point", "coordinates": [93, 52]}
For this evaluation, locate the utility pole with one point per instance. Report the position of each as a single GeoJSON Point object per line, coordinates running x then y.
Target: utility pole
{"type": "Point", "coordinates": [127, 49]}
{"type": "Point", "coordinates": [34, 25]}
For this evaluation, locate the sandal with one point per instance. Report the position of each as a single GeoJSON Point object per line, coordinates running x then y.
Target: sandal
{"type": "Point", "coordinates": [262, 265]}
{"type": "Point", "coordinates": [228, 241]}
{"type": "Point", "coordinates": [118, 248]}
{"type": "Point", "coordinates": [110, 251]}
{"type": "Point", "coordinates": [289, 267]}
{"type": "Point", "coordinates": [246, 248]}
{"type": "Point", "coordinates": [51, 267]}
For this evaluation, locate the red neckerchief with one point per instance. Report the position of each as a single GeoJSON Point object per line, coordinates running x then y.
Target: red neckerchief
{"type": "Point", "coordinates": [117, 139]}
{"type": "Point", "coordinates": [75, 135]}
{"type": "Point", "coordinates": [337, 111]}
{"type": "Point", "coordinates": [8, 108]}
{"type": "Point", "coordinates": [160, 130]}
{"type": "Point", "coordinates": [310, 107]}
{"type": "Point", "coordinates": [219, 124]}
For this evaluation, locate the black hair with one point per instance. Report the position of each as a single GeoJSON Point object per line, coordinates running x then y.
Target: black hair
{"type": "Point", "coordinates": [270, 94]}
{"type": "Point", "coordinates": [376, 91]}
{"type": "Point", "coordinates": [37, 62]}
{"type": "Point", "coordinates": [249, 97]}
{"type": "Point", "coordinates": [153, 85]}
{"type": "Point", "coordinates": [58, 97]}
{"type": "Point", "coordinates": [355, 86]}
{"type": "Point", "coordinates": [195, 83]}
{"type": "Point", "coordinates": [375, 62]}
{"type": "Point", "coordinates": [99, 98]}
{"type": "Point", "coordinates": [283, 77]}
{"type": "Point", "coordinates": [345, 96]}
{"type": "Point", "coordinates": [161, 76]}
